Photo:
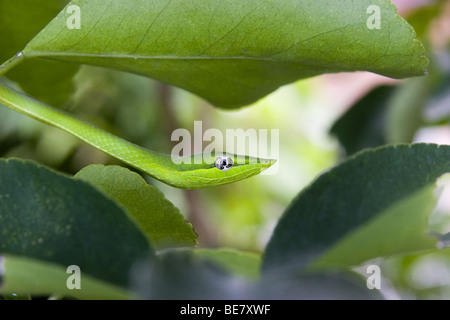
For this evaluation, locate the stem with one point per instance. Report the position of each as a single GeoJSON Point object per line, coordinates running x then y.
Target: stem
{"type": "Point", "coordinates": [11, 63]}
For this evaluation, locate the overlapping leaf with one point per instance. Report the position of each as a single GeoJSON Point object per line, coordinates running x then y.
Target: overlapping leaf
{"type": "Point", "coordinates": [159, 219]}
{"type": "Point", "coordinates": [233, 52]}
{"type": "Point", "coordinates": [50, 217]}
{"type": "Point", "coordinates": [376, 203]}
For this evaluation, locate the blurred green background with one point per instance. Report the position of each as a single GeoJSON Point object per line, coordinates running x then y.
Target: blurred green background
{"type": "Point", "coordinates": [242, 215]}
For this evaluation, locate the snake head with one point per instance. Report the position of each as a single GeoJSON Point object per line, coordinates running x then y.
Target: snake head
{"type": "Point", "coordinates": [213, 169]}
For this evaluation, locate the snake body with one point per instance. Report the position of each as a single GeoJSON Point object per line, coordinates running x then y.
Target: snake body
{"type": "Point", "coordinates": [200, 173]}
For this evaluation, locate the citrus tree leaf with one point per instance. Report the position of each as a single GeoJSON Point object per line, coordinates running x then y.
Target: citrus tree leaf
{"type": "Point", "coordinates": [26, 276]}
{"type": "Point", "coordinates": [405, 223]}
{"type": "Point", "coordinates": [20, 21]}
{"type": "Point", "coordinates": [375, 203]}
{"type": "Point", "coordinates": [157, 217]}
{"type": "Point", "coordinates": [233, 52]}
{"type": "Point", "coordinates": [50, 217]}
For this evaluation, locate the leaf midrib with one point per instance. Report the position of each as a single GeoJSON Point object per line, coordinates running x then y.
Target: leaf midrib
{"type": "Point", "coordinates": [146, 57]}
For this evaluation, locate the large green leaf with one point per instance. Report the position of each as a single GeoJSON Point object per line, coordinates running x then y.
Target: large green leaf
{"type": "Point", "coordinates": [404, 225]}
{"type": "Point", "coordinates": [157, 217]}
{"type": "Point", "coordinates": [376, 203]}
{"type": "Point", "coordinates": [20, 21]}
{"type": "Point", "coordinates": [233, 52]}
{"type": "Point", "coordinates": [50, 217]}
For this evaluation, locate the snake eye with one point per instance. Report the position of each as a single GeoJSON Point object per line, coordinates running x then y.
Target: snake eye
{"type": "Point", "coordinates": [224, 163]}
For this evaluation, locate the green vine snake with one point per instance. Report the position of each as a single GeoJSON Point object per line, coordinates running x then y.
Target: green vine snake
{"type": "Point", "coordinates": [212, 169]}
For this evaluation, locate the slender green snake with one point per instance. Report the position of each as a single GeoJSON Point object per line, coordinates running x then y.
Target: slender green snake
{"type": "Point", "coordinates": [212, 169]}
